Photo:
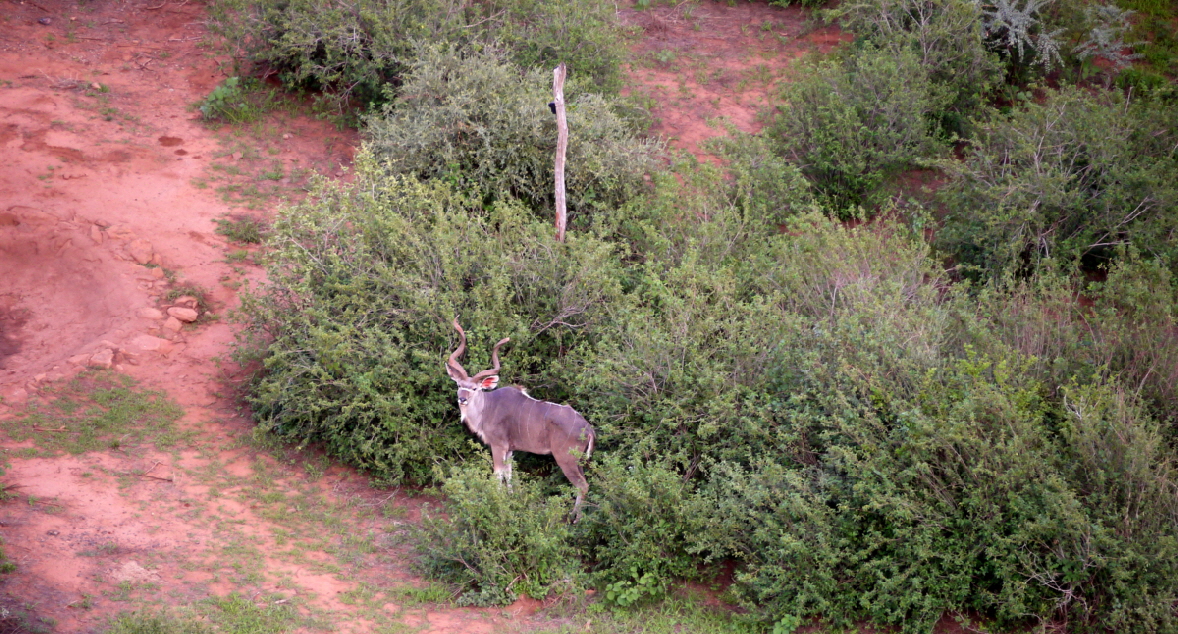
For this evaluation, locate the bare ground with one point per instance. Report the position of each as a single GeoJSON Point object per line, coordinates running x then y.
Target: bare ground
{"type": "Point", "coordinates": [109, 191]}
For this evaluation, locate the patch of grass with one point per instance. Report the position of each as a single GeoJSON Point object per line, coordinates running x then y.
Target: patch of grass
{"type": "Point", "coordinates": [432, 593]}
{"type": "Point", "coordinates": [99, 409]}
{"type": "Point", "coordinates": [242, 228]}
{"type": "Point", "coordinates": [103, 550]}
{"type": "Point", "coordinates": [148, 622]}
{"type": "Point", "coordinates": [238, 100]}
{"type": "Point", "coordinates": [685, 612]}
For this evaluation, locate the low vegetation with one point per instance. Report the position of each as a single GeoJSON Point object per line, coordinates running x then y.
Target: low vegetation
{"type": "Point", "coordinates": [962, 410]}
{"type": "Point", "coordinates": [97, 409]}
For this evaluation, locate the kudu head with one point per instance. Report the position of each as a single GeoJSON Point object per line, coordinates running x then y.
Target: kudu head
{"type": "Point", "coordinates": [470, 388]}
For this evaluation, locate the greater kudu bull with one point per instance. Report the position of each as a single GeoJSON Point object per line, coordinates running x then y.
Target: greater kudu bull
{"type": "Point", "coordinates": [509, 420]}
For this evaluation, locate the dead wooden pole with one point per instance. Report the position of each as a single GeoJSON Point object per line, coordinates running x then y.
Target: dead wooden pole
{"type": "Point", "coordinates": [562, 146]}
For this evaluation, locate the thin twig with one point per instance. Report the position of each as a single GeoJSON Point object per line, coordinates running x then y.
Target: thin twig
{"type": "Point", "coordinates": [161, 5]}
{"type": "Point", "coordinates": [46, 429]}
{"type": "Point", "coordinates": [490, 17]}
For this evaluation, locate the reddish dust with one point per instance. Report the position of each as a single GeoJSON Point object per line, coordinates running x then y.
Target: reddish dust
{"type": "Point", "coordinates": [702, 67]}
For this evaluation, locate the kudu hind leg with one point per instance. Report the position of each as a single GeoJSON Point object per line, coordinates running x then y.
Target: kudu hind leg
{"type": "Point", "coordinates": [570, 464]}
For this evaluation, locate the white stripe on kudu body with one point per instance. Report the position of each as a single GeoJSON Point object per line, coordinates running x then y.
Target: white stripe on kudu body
{"type": "Point", "coordinates": [508, 419]}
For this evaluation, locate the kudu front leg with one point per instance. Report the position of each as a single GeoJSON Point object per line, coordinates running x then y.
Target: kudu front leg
{"type": "Point", "coordinates": [501, 459]}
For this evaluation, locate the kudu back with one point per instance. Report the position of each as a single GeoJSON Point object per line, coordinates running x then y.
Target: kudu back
{"type": "Point", "coordinates": [509, 420]}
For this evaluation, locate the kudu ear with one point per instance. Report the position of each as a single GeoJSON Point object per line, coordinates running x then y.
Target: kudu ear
{"type": "Point", "coordinates": [489, 382]}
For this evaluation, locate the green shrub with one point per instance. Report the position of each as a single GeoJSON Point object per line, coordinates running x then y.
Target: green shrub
{"type": "Point", "coordinates": [947, 37]}
{"type": "Point", "coordinates": [482, 124]}
{"type": "Point", "coordinates": [354, 49]}
{"type": "Point", "coordinates": [499, 543]}
{"type": "Point", "coordinates": [851, 123]}
{"type": "Point", "coordinates": [236, 101]}
{"type": "Point", "coordinates": [1075, 177]}
{"type": "Point", "coordinates": [639, 530]}
{"type": "Point", "coordinates": [354, 323]}
{"type": "Point", "coordinates": [812, 400]}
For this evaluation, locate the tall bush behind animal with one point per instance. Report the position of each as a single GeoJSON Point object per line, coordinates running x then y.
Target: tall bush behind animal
{"type": "Point", "coordinates": [481, 123]}
{"type": "Point", "coordinates": [350, 347]}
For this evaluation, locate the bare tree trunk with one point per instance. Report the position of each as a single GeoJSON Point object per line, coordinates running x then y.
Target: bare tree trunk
{"type": "Point", "coordinates": [562, 145]}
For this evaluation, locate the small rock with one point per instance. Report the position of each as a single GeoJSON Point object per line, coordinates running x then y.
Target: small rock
{"type": "Point", "coordinates": [96, 86]}
{"type": "Point", "coordinates": [237, 156]}
{"type": "Point", "coordinates": [150, 313]}
{"type": "Point", "coordinates": [187, 301]}
{"type": "Point", "coordinates": [14, 396]}
{"type": "Point", "coordinates": [148, 343]}
{"type": "Point", "coordinates": [96, 234]}
{"type": "Point", "coordinates": [173, 324]}
{"type": "Point", "coordinates": [157, 272]}
{"type": "Point", "coordinates": [120, 232]}
{"type": "Point", "coordinates": [286, 136]}
{"type": "Point", "coordinates": [141, 250]}
{"type": "Point", "coordinates": [39, 377]}
{"type": "Point", "coordinates": [102, 359]}
{"type": "Point", "coordinates": [79, 359]}
{"type": "Point", "coordinates": [51, 532]}
{"type": "Point", "coordinates": [183, 314]}
{"type": "Point", "coordinates": [45, 21]}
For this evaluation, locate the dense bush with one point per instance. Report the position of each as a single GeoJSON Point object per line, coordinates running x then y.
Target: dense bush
{"type": "Point", "coordinates": [947, 37]}
{"type": "Point", "coordinates": [355, 48]}
{"type": "Point", "coordinates": [818, 403]}
{"type": "Point", "coordinates": [851, 123]}
{"type": "Point", "coordinates": [482, 123]}
{"type": "Point", "coordinates": [499, 543]}
{"type": "Point", "coordinates": [1076, 177]}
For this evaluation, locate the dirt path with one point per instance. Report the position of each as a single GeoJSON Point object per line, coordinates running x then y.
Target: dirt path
{"type": "Point", "coordinates": [109, 192]}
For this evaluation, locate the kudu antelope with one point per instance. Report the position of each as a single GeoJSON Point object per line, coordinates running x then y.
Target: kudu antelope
{"type": "Point", "coordinates": [509, 420]}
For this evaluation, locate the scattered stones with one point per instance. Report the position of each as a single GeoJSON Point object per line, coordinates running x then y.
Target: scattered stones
{"type": "Point", "coordinates": [141, 250]}
{"type": "Point", "coordinates": [104, 358]}
{"type": "Point", "coordinates": [14, 396]}
{"type": "Point", "coordinates": [183, 314]}
{"type": "Point", "coordinates": [148, 343]}
{"type": "Point", "coordinates": [120, 232]}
